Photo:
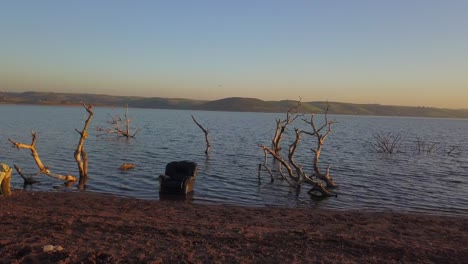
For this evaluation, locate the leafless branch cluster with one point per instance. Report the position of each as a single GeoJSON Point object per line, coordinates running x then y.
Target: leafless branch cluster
{"type": "Point", "coordinates": [425, 147]}
{"type": "Point", "coordinates": [453, 149]}
{"type": "Point", "coordinates": [291, 115]}
{"type": "Point", "coordinates": [390, 143]}
{"type": "Point", "coordinates": [119, 126]}
{"type": "Point", "coordinates": [387, 142]}
{"type": "Point", "coordinates": [296, 176]}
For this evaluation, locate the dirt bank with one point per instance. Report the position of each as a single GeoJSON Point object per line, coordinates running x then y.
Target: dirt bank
{"type": "Point", "coordinates": [95, 228]}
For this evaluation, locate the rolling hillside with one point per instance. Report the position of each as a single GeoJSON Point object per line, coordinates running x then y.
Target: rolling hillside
{"type": "Point", "coordinates": [239, 104]}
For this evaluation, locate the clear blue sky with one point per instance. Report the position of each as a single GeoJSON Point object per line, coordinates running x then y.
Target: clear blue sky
{"type": "Point", "coordinates": [402, 52]}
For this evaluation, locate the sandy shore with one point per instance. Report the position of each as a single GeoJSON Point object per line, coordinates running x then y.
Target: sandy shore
{"type": "Point", "coordinates": [95, 228]}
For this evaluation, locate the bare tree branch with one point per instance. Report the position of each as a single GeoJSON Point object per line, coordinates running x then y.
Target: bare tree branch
{"type": "Point", "coordinates": [43, 169]}
{"type": "Point", "coordinates": [453, 149]}
{"type": "Point", "coordinates": [284, 163]}
{"type": "Point", "coordinates": [28, 179]}
{"type": "Point", "coordinates": [320, 137]}
{"type": "Point", "coordinates": [208, 146]}
{"type": "Point", "coordinates": [268, 170]}
{"type": "Point", "coordinates": [281, 126]}
{"type": "Point", "coordinates": [117, 122]}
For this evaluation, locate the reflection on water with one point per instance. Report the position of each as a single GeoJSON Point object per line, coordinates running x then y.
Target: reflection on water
{"type": "Point", "coordinates": [175, 197]}
{"type": "Point", "coordinates": [434, 182]}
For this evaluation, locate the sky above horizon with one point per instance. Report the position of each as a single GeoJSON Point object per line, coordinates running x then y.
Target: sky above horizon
{"type": "Point", "coordinates": [362, 51]}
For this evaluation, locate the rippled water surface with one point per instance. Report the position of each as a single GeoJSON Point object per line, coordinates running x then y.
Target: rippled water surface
{"type": "Point", "coordinates": [409, 181]}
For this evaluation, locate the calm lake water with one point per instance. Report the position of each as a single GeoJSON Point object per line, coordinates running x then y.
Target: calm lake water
{"type": "Point", "coordinates": [408, 181]}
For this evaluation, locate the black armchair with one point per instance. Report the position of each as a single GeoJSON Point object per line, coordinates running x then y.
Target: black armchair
{"type": "Point", "coordinates": [179, 178]}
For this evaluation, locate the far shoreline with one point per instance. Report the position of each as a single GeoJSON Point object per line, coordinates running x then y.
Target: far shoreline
{"type": "Point", "coordinates": [235, 111]}
{"type": "Point", "coordinates": [230, 104]}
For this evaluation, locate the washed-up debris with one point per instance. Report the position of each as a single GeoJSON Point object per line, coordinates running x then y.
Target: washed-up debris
{"type": "Point", "coordinates": [51, 248]}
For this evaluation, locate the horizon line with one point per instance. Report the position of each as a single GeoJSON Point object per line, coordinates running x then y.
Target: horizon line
{"type": "Point", "coordinates": [207, 100]}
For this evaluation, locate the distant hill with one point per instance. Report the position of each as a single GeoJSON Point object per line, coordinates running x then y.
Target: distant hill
{"type": "Point", "coordinates": [164, 103]}
{"type": "Point", "coordinates": [238, 104]}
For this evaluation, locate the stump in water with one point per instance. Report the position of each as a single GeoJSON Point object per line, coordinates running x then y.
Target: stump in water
{"type": "Point", "coordinates": [179, 178]}
{"type": "Point", "coordinates": [127, 166]}
{"type": "Point", "coordinates": [5, 179]}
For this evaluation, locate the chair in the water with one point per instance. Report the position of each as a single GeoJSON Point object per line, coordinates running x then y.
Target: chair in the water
{"type": "Point", "coordinates": [179, 178]}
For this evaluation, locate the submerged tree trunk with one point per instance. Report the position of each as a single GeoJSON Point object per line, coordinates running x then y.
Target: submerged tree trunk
{"type": "Point", "coordinates": [205, 131]}
{"type": "Point", "coordinates": [80, 154]}
{"type": "Point", "coordinates": [265, 165]}
{"type": "Point", "coordinates": [28, 179]}
{"type": "Point", "coordinates": [317, 186]}
{"type": "Point", "coordinates": [292, 179]}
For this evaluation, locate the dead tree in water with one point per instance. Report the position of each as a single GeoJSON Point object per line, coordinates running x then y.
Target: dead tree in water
{"type": "Point", "coordinates": [119, 126]}
{"type": "Point", "coordinates": [80, 154]}
{"type": "Point", "coordinates": [386, 143]}
{"type": "Point", "coordinates": [208, 146]}
{"type": "Point", "coordinates": [296, 177]}
{"type": "Point", "coordinates": [321, 136]}
{"type": "Point", "coordinates": [295, 174]}
{"type": "Point", "coordinates": [42, 169]}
